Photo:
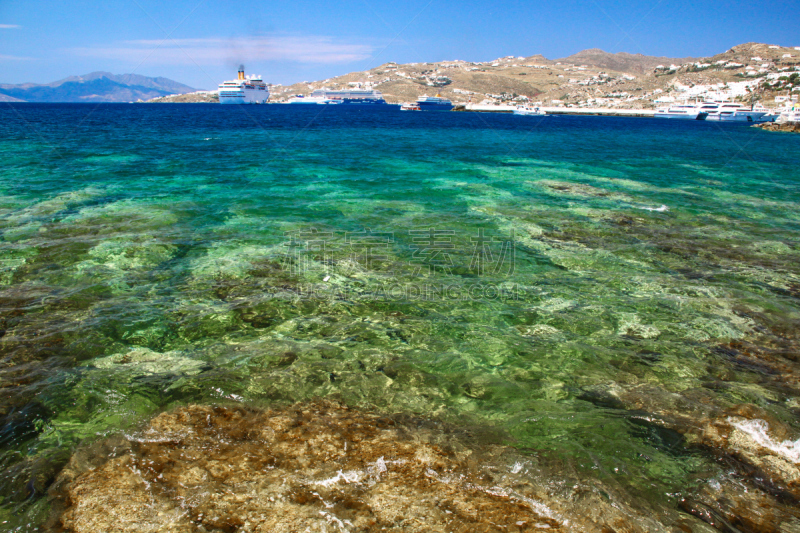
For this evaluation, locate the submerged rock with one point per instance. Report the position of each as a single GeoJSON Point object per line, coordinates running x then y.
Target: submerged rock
{"type": "Point", "coordinates": [760, 489]}
{"type": "Point", "coordinates": [770, 448]}
{"type": "Point", "coordinates": [580, 190]}
{"type": "Point", "coordinates": [323, 467]}
{"type": "Point", "coordinates": [313, 467]}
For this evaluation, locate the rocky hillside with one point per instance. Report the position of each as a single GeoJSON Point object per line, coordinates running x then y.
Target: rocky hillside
{"type": "Point", "coordinates": [6, 98]}
{"type": "Point", "coordinates": [95, 87]}
{"type": "Point", "coordinates": [590, 78]}
{"type": "Point", "coordinates": [199, 97]}
{"type": "Point", "coordinates": [621, 62]}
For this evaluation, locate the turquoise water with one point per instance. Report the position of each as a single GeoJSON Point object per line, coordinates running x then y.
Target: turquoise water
{"type": "Point", "coordinates": [554, 278]}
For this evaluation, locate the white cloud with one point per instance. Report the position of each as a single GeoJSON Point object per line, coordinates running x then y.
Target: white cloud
{"type": "Point", "coordinates": [302, 49]}
{"type": "Point", "coordinates": [15, 58]}
{"type": "Point", "coordinates": [9, 26]}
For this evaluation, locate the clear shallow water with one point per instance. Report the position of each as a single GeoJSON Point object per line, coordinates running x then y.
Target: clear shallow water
{"type": "Point", "coordinates": [515, 272]}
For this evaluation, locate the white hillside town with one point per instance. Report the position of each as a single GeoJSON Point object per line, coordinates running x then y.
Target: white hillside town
{"type": "Point", "coordinates": [762, 80]}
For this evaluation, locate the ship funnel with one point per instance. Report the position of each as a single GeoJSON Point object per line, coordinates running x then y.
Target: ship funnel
{"type": "Point", "coordinates": [241, 72]}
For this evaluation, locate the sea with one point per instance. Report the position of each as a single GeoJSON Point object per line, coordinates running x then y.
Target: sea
{"type": "Point", "coordinates": [597, 293]}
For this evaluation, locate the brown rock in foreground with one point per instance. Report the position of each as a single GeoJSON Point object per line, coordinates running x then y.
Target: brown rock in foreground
{"type": "Point", "coordinates": [791, 127]}
{"type": "Point", "coordinates": [317, 467]}
{"type": "Point", "coordinates": [760, 492]}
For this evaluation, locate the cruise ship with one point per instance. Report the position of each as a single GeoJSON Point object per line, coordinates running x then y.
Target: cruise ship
{"type": "Point", "coordinates": [351, 97]}
{"type": "Point", "coordinates": [244, 90]}
{"type": "Point", "coordinates": [434, 103]}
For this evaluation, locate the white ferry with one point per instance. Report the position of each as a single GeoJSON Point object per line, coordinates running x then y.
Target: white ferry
{"type": "Point", "coordinates": [687, 111]}
{"type": "Point", "coordinates": [734, 112]}
{"type": "Point", "coordinates": [244, 90]}
{"type": "Point", "coordinates": [350, 97]}
{"type": "Point", "coordinates": [790, 115]}
{"type": "Point", "coordinates": [302, 99]}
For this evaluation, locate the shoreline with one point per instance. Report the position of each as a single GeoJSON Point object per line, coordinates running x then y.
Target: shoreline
{"type": "Point", "coordinates": [590, 111]}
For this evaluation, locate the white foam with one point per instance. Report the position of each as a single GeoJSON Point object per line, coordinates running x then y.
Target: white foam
{"type": "Point", "coordinates": [538, 507]}
{"type": "Point", "coordinates": [353, 476]}
{"type": "Point", "coordinates": [662, 209]}
{"type": "Point", "coordinates": [326, 504]}
{"type": "Point", "coordinates": [335, 520]}
{"type": "Point", "coordinates": [380, 465]}
{"type": "Point", "coordinates": [757, 430]}
{"type": "Point", "coordinates": [221, 393]}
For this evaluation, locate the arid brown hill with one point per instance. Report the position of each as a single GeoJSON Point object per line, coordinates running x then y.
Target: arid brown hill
{"type": "Point", "coordinates": [622, 62]}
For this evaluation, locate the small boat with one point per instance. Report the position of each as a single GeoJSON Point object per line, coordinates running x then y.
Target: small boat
{"type": "Point", "coordinates": [410, 107]}
{"type": "Point", "coordinates": [526, 110]}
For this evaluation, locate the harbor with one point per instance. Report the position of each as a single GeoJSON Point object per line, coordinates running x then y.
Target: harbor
{"type": "Point", "coordinates": [719, 108]}
{"type": "Point", "coordinates": [581, 111]}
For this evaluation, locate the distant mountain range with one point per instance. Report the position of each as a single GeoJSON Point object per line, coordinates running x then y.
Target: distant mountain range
{"type": "Point", "coordinates": [94, 87]}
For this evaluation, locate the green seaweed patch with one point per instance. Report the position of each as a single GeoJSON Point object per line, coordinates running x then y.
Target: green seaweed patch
{"type": "Point", "coordinates": [11, 260]}
{"type": "Point", "coordinates": [120, 217]}
{"type": "Point", "coordinates": [57, 204]}
{"type": "Point", "coordinates": [130, 254]}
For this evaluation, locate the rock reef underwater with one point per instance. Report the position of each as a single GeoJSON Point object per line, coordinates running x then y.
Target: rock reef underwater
{"type": "Point", "coordinates": [182, 352]}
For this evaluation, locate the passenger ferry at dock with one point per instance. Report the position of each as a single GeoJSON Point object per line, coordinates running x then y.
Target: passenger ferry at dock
{"type": "Point", "coordinates": [790, 115]}
{"type": "Point", "coordinates": [733, 112]}
{"type": "Point", "coordinates": [687, 111]}
{"type": "Point", "coordinates": [716, 111]}
{"type": "Point", "coordinates": [348, 97]}
{"type": "Point", "coordinates": [434, 103]}
{"type": "Point", "coordinates": [244, 90]}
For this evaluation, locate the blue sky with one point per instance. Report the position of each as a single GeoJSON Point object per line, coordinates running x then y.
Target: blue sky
{"type": "Point", "coordinates": [201, 42]}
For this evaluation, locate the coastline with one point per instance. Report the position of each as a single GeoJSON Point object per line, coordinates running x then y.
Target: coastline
{"type": "Point", "coordinates": [190, 98]}
{"type": "Point", "coordinates": [584, 111]}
